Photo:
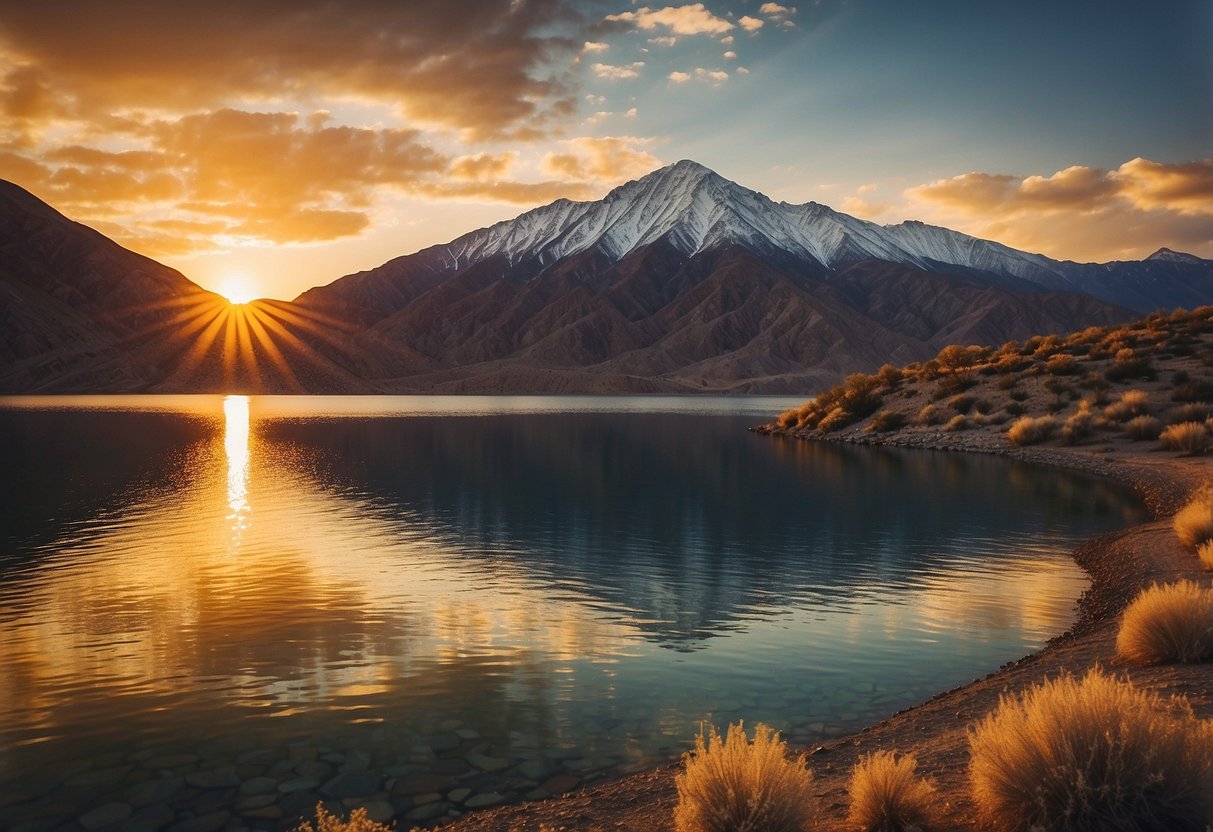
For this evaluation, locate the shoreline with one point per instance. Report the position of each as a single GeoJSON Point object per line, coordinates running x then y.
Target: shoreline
{"type": "Point", "coordinates": [1118, 564]}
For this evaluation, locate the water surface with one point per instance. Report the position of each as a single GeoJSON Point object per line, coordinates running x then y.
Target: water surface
{"type": "Point", "coordinates": [511, 594]}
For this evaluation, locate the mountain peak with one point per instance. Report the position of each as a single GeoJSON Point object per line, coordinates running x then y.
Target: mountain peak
{"type": "Point", "coordinates": [1167, 255]}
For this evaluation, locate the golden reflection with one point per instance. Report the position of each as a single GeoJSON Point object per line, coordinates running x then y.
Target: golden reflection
{"type": "Point", "coordinates": [236, 451]}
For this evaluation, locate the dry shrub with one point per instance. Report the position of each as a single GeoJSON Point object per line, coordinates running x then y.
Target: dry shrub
{"type": "Point", "coordinates": [358, 822]}
{"type": "Point", "coordinates": [1132, 403]}
{"type": "Point", "coordinates": [957, 423]}
{"type": "Point", "coordinates": [1186, 438]}
{"type": "Point", "coordinates": [1143, 427]}
{"type": "Point", "coordinates": [929, 415]}
{"type": "Point", "coordinates": [1061, 364]}
{"type": "Point", "coordinates": [1191, 412]}
{"type": "Point", "coordinates": [1029, 430]}
{"type": "Point", "coordinates": [887, 796]}
{"type": "Point", "coordinates": [732, 784]}
{"type": "Point", "coordinates": [886, 420]}
{"type": "Point", "coordinates": [1095, 754]}
{"type": "Point", "coordinates": [1172, 623]}
{"type": "Point", "coordinates": [1205, 552]}
{"type": "Point", "coordinates": [1080, 424]}
{"type": "Point", "coordinates": [1193, 523]}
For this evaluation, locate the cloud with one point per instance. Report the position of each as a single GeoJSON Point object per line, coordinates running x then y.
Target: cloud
{"type": "Point", "coordinates": [483, 167]}
{"type": "Point", "coordinates": [610, 72]}
{"type": "Point", "coordinates": [774, 9]}
{"type": "Point", "coordinates": [607, 159]}
{"type": "Point", "coordinates": [691, 19]}
{"type": "Point", "coordinates": [664, 40]}
{"type": "Point", "coordinates": [1082, 212]}
{"type": "Point", "coordinates": [494, 69]}
{"type": "Point", "coordinates": [715, 77]}
{"type": "Point", "coordinates": [595, 46]}
{"type": "Point", "coordinates": [741, 70]}
{"type": "Point", "coordinates": [750, 24]}
{"type": "Point", "coordinates": [730, 55]}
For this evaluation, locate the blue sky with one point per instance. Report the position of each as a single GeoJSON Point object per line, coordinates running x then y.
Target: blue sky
{"type": "Point", "coordinates": [282, 150]}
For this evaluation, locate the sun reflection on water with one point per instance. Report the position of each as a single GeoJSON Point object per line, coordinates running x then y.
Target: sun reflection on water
{"type": "Point", "coordinates": [236, 450]}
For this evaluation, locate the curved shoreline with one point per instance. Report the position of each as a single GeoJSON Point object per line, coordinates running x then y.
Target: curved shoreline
{"type": "Point", "coordinates": [1118, 564]}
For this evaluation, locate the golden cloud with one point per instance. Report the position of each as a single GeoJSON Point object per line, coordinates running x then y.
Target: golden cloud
{"type": "Point", "coordinates": [691, 19]}
{"type": "Point", "coordinates": [610, 160]}
{"type": "Point", "coordinates": [493, 68]}
{"type": "Point", "coordinates": [1083, 212]}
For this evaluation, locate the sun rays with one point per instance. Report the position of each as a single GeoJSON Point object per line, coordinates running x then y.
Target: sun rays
{"type": "Point", "coordinates": [204, 341]}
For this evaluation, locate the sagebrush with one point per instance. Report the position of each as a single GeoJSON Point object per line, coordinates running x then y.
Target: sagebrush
{"type": "Point", "coordinates": [1169, 623]}
{"type": "Point", "coordinates": [357, 822]}
{"type": "Point", "coordinates": [731, 784]}
{"type": "Point", "coordinates": [1092, 754]}
{"type": "Point", "coordinates": [887, 795]}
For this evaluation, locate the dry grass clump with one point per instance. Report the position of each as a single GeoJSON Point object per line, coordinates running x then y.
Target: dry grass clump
{"type": "Point", "coordinates": [1131, 403]}
{"type": "Point", "coordinates": [1193, 523]}
{"type": "Point", "coordinates": [1191, 412]}
{"type": "Point", "coordinates": [1186, 437]}
{"type": "Point", "coordinates": [856, 397]}
{"type": "Point", "coordinates": [957, 423]}
{"type": "Point", "coordinates": [1079, 425]}
{"type": "Point", "coordinates": [1172, 623]}
{"type": "Point", "coordinates": [1205, 552]}
{"type": "Point", "coordinates": [886, 420]}
{"type": "Point", "coordinates": [887, 796]}
{"type": "Point", "coordinates": [1029, 431]}
{"type": "Point", "coordinates": [929, 415]}
{"type": "Point", "coordinates": [732, 784]}
{"type": "Point", "coordinates": [358, 822]}
{"type": "Point", "coordinates": [1143, 427]}
{"type": "Point", "coordinates": [1092, 754]}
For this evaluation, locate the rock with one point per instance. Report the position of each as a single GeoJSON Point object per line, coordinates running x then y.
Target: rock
{"type": "Point", "coordinates": [206, 823]}
{"type": "Point", "coordinates": [256, 801]}
{"type": "Point", "coordinates": [171, 761]}
{"type": "Point", "coordinates": [536, 769]}
{"type": "Point", "coordinates": [100, 777]}
{"type": "Point", "coordinates": [560, 784]}
{"type": "Point", "coordinates": [356, 761]}
{"type": "Point", "coordinates": [443, 742]}
{"type": "Point", "coordinates": [352, 784]}
{"type": "Point", "coordinates": [484, 800]}
{"type": "Point", "coordinates": [154, 791]}
{"type": "Point", "coordinates": [458, 795]}
{"type": "Point", "coordinates": [380, 811]}
{"type": "Point", "coordinates": [422, 799]}
{"type": "Point", "coordinates": [467, 734]}
{"type": "Point", "coordinates": [216, 778]}
{"type": "Point", "coordinates": [104, 815]}
{"type": "Point", "coordinates": [429, 811]}
{"type": "Point", "coordinates": [421, 783]}
{"type": "Point", "coordinates": [487, 763]}
{"type": "Point", "coordinates": [314, 768]}
{"type": "Point", "coordinates": [270, 812]}
{"type": "Point", "coordinates": [259, 785]}
{"type": "Point", "coordinates": [258, 757]}
{"type": "Point", "coordinates": [298, 784]}
{"type": "Point", "coordinates": [149, 819]}
{"type": "Point", "coordinates": [451, 766]}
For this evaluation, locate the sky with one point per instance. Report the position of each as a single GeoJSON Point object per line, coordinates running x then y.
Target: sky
{"type": "Point", "coordinates": [266, 146]}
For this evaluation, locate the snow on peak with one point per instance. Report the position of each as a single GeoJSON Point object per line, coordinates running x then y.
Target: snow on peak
{"type": "Point", "coordinates": [695, 209]}
{"type": "Point", "coordinates": [1167, 255]}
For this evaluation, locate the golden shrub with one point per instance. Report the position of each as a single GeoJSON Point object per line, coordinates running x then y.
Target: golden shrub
{"type": "Point", "coordinates": [1193, 523]}
{"type": "Point", "coordinates": [732, 784]}
{"type": "Point", "coordinates": [325, 822]}
{"type": "Point", "coordinates": [1171, 623]}
{"type": "Point", "coordinates": [1092, 754]}
{"type": "Point", "coordinates": [888, 796]}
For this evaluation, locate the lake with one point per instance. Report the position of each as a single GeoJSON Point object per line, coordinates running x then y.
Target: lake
{"type": "Point", "coordinates": [225, 609]}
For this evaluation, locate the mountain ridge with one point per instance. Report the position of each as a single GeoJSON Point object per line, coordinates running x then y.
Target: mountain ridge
{"type": "Point", "coordinates": [678, 282]}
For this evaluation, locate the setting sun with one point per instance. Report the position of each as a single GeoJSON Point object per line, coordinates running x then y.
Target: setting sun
{"type": "Point", "coordinates": [237, 288]}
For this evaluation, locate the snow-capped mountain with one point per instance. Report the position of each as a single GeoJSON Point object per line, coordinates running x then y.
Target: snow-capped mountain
{"type": "Point", "coordinates": [699, 209]}
{"type": "Point", "coordinates": [695, 211]}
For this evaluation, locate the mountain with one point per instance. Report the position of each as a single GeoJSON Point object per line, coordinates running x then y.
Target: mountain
{"type": "Point", "coordinates": [680, 281]}
{"type": "Point", "coordinates": [685, 281]}
{"type": "Point", "coordinates": [80, 313]}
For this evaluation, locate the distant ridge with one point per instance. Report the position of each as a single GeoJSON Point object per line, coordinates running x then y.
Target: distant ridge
{"type": "Point", "coordinates": [680, 281]}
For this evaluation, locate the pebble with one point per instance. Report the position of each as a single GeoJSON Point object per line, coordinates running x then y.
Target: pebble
{"type": "Point", "coordinates": [259, 786]}
{"type": "Point", "coordinates": [352, 784]}
{"type": "Point", "coordinates": [298, 784]}
{"type": "Point", "coordinates": [484, 800]}
{"type": "Point", "coordinates": [458, 795]}
{"type": "Point", "coordinates": [104, 815]}
{"type": "Point", "coordinates": [206, 823]}
{"type": "Point", "coordinates": [430, 811]}
{"type": "Point", "coordinates": [154, 791]}
{"type": "Point", "coordinates": [487, 763]}
{"type": "Point", "coordinates": [216, 778]}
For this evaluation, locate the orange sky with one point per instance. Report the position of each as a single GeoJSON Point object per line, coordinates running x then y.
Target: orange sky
{"type": "Point", "coordinates": [281, 145]}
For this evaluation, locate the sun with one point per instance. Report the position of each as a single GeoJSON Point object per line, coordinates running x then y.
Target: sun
{"type": "Point", "coordinates": [237, 288]}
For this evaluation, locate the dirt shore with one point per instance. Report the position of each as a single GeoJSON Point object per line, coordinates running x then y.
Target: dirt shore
{"type": "Point", "coordinates": [1119, 564]}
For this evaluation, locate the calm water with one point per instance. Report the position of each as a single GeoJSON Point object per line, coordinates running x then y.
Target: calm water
{"type": "Point", "coordinates": [342, 597]}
